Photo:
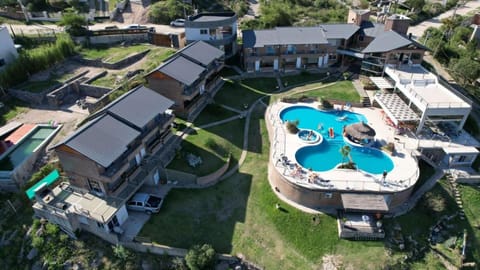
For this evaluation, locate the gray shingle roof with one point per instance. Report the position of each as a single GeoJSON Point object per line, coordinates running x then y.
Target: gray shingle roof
{"type": "Point", "coordinates": [259, 38]}
{"type": "Point", "coordinates": [300, 35]}
{"type": "Point", "coordinates": [297, 35]}
{"type": "Point", "coordinates": [373, 29]}
{"type": "Point", "coordinates": [140, 105]}
{"type": "Point", "coordinates": [103, 140]}
{"type": "Point", "coordinates": [387, 41]}
{"type": "Point", "coordinates": [202, 52]}
{"type": "Point", "coordinates": [340, 30]}
{"type": "Point", "coordinates": [182, 70]}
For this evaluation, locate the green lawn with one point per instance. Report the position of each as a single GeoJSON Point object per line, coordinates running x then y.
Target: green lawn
{"type": "Point", "coordinates": [238, 215]}
{"type": "Point", "coordinates": [302, 78]}
{"type": "Point", "coordinates": [113, 54]}
{"type": "Point", "coordinates": [434, 204]}
{"type": "Point", "coordinates": [213, 113]}
{"type": "Point", "coordinates": [109, 80]}
{"type": "Point", "coordinates": [471, 204]}
{"type": "Point", "coordinates": [155, 57]}
{"type": "Point", "coordinates": [12, 108]}
{"type": "Point", "coordinates": [342, 90]}
{"type": "Point", "coordinates": [241, 94]}
{"type": "Point", "coordinates": [39, 86]}
{"type": "Point", "coordinates": [213, 145]}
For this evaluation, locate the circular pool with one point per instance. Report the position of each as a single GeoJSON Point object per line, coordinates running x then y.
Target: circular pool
{"type": "Point", "coordinates": [309, 136]}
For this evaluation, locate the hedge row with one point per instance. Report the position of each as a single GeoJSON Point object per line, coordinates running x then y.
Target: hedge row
{"type": "Point", "coordinates": [35, 60]}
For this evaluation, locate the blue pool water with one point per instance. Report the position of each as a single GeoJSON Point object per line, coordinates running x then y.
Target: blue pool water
{"type": "Point", "coordinates": [26, 147]}
{"type": "Point", "coordinates": [326, 156]}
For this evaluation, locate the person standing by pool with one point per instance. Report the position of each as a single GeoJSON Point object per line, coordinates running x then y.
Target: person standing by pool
{"type": "Point", "coordinates": [384, 176]}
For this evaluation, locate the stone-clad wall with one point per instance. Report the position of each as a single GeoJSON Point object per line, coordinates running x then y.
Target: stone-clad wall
{"type": "Point", "coordinates": [127, 61]}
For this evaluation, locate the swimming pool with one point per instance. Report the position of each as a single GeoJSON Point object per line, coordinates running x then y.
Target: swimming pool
{"type": "Point", "coordinates": [326, 155]}
{"type": "Point", "coordinates": [29, 144]}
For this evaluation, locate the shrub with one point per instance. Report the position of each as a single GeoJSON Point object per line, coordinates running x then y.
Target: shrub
{"type": "Point", "coordinates": [41, 173]}
{"type": "Point", "coordinates": [325, 104]}
{"type": "Point", "coordinates": [200, 257]}
{"type": "Point", "coordinates": [389, 147]}
{"type": "Point", "coordinates": [292, 126]}
{"type": "Point", "coordinates": [349, 165]}
{"type": "Point", "coordinates": [32, 61]}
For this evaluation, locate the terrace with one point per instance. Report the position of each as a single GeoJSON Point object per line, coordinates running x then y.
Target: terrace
{"type": "Point", "coordinates": [423, 92]}
{"type": "Point", "coordinates": [402, 176]}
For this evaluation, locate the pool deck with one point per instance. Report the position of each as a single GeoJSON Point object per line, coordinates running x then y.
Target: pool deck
{"type": "Point", "coordinates": [404, 174]}
{"type": "Point", "coordinates": [18, 134]}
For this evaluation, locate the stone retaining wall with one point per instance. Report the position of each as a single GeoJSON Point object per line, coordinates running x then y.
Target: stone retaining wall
{"type": "Point", "coordinates": [213, 178]}
{"type": "Point", "coordinates": [87, 89]}
{"type": "Point", "coordinates": [71, 86]}
{"type": "Point", "coordinates": [29, 97]}
{"type": "Point", "coordinates": [127, 61]}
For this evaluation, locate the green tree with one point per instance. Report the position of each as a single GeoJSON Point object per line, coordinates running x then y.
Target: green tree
{"type": "Point", "coordinates": [58, 4]}
{"type": "Point", "coordinates": [74, 23]}
{"type": "Point", "coordinates": [416, 5]}
{"type": "Point", "coordinates": [345, 152]}
{"type": "Point", "coordinates": [163, 12]}
{"type": "Point", "coordinates": [121, 252]}
{"type": "Point", "coordinates": [467, 69]}
{"type": "Point", "coordinates": [200, 257]}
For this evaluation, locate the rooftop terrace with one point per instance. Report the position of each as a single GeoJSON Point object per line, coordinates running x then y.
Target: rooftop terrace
{"type": "Point", "coordinates": [421, 85]}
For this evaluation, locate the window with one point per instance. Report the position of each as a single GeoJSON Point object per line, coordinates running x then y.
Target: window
{"type": "Point", "coordinates": [270, 50]}
{"type": "Point", "coordinates": [291, 49]}
{"type": "Point", "coordinates": [99, 225]}
{"type": "Point", "coordinates": [203, 31]}
{"type": "Point", "coordinates": [328, 195]}
{"type": "Point", "coordinates": [95, 186]}
{"type": "Point", "coordinates": [462, 159]}
{"type": "Point", "coordinates": [416, 56]}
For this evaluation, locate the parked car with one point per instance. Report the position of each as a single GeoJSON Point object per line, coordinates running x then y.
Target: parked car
{"type": "Point", "coordinates": [145, 202]}
{"type": "Point", "coordinates": [178, 23]}
{"type": "Point", "coordinates": [135, 26]}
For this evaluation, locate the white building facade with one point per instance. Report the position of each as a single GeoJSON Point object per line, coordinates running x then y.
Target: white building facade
{"type": "Point", "coordinates": [8, 52]}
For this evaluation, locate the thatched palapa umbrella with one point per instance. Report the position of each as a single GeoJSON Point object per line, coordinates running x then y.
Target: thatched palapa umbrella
{"type": "Point", "coordinates": [360, 131]}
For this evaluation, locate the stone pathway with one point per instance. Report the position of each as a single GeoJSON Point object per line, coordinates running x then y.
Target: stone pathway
{"type": "Point", "coordinates": [457, 195]}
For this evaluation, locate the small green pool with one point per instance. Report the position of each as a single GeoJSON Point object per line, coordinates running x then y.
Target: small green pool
{"type": "Point", "coordinates": [26, 147]}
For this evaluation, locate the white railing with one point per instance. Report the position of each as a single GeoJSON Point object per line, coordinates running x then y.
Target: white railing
{"type": "Point", "coordinates": [375, 183]}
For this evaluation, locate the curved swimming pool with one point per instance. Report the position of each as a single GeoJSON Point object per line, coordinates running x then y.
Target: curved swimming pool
{"type": "Point", "coordinates": [326, 156]}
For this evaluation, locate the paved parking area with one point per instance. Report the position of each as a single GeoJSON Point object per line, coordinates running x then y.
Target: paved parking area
{"type": "Point", "coordinates": [133, 224]}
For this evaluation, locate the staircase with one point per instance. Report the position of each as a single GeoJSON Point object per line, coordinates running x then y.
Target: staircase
{"type": "Point", "coordinates": [366, 102]}
{"type": "Point", "coordinates": [458, 197]}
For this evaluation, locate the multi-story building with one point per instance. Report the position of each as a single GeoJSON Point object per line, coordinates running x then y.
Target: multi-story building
{"type": "Point", "coordinates": [218, 29]}
{"type": "Point", "coordinates": [107, 160]}
{"type": "Point", "coordinates": [372, 44]}
{"type": "Point", "coordinates": [288, 48]}
{"type": "Point", "coordinates": [190, 78]}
